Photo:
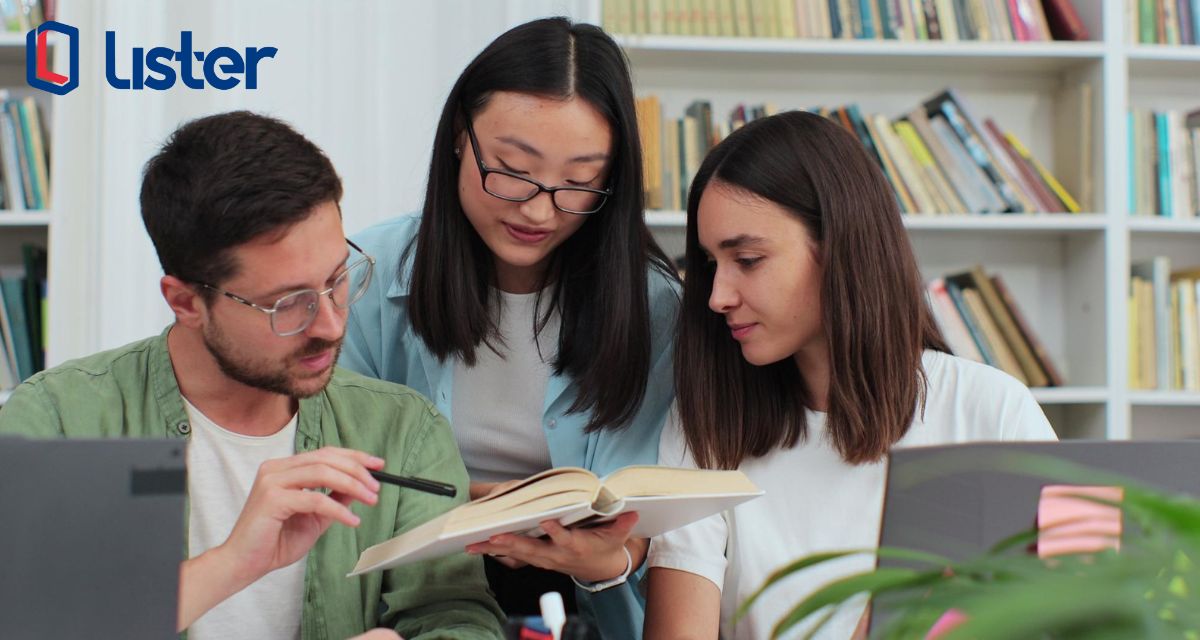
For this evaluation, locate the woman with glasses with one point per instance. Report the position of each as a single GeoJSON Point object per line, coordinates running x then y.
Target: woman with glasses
{"type": "Point", "coordinates": [529, 301]}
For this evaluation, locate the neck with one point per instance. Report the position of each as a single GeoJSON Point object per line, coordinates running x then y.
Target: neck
{"type": "Point", "coordinates": [813, 362]}
{"type": "Point", "coordinates": [236, 407]}
{"type": "Point", "coordinates": [511, 279]}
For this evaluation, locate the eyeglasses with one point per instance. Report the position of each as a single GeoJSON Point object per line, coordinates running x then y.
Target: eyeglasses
{"type": "Point", "coordinates": [295, 312]}
{"type": "Point", "coordinates": [514, 188]}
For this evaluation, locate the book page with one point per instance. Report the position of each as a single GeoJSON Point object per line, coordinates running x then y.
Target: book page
{"type": "Point", "coordinates": [653, 480]}
{"type": "Point", "coordinates": [544, 491]}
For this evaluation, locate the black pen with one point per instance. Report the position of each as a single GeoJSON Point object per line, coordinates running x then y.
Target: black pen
{"type": "Point", "coordinates": [420, 484]}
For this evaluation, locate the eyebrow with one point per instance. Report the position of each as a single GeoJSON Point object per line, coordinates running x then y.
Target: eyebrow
{"type": "Point", "coordinates": [740, 241]}
{"type": "Point", "coordinates": [292, 288]}
{"type": "Point", "coordinates": [531, 150]}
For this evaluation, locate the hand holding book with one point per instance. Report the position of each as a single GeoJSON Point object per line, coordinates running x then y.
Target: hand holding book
{"type": "Point", "coordinates": [664, 498]}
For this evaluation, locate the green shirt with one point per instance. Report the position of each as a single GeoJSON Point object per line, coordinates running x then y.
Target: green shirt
{"type": "Point", "coordinates": [131, 392]}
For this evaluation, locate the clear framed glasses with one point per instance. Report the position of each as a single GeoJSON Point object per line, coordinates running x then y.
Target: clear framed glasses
{"type": "Point", "coordinates": [294, 312]}
{"type": "Point", "coordinates": [516, 188]}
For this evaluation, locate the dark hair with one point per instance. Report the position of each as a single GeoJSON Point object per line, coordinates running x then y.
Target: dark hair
{"type": "Point", "coordinates": [225, 179]}
{"type": "Point", "coordinates": [599, 274]}
{"type": "Point", "coordinates": [875, 317]}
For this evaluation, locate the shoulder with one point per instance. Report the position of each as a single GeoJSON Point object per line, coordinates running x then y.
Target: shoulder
{"type": "Point", "coordinates": [979, 402]}
{"type": "Point", "coordinates": [374, 396]}
{"type": "Point", "coordinates": [133, 358]}
{"type": "Point", "coordinates": [387, 240]}
{"type": "Point", "coordinates": [664, 295]}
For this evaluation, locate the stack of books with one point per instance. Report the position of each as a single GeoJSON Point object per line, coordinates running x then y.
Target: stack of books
{"type": "Point", "coordinates": [1163, 21]}
{"type": "Point", "coordinates": [981, 321]}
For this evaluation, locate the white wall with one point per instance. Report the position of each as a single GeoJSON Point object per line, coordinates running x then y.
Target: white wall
{"type": "Point", "coordinates": [364, 79]}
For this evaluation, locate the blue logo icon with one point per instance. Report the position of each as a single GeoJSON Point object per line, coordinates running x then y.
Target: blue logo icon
{"type": "Point", "coordinates": [38, 73]}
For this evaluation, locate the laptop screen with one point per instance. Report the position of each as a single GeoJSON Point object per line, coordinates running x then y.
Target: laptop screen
{"type": "Point", "coordinates": [91, 538]}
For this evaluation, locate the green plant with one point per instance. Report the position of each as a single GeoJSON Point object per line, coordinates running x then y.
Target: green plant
{"type": "Point", "coordinates": [1148, 589]}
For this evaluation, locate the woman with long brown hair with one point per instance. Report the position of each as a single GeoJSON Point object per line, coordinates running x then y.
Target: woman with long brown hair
{"type": "Point", "coordinates": [806, 351]}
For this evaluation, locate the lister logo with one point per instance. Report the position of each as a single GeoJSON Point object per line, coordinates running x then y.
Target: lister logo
{"type": "Point", "coordinates": [38, 73]}
{"type": "Point", "coordinates": [221, 67]}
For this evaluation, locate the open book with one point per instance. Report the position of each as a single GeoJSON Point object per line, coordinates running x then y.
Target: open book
{"type": "Point", "coordinates": [665, 498]}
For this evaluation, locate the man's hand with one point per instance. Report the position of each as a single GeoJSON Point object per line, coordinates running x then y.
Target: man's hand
{"type": "Point", "coordinates": [282, 519]}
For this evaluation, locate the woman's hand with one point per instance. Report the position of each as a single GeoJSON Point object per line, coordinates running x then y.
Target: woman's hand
{"type": "Point", "coordinates": [588, 554]}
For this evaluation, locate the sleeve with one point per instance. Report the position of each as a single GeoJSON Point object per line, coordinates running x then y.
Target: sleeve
{"type": "Point", "coordinates": [1025, 419]}
{"type": "Point", "coordinates": [448, 597]}
{"type": "Point", "coordinates": [31, 412]}
{"type": "Point", "coordinates": [699, 547]}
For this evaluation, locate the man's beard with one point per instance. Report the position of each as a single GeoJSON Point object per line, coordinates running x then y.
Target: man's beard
{"type": "Point", "coordinates": [274, 378]}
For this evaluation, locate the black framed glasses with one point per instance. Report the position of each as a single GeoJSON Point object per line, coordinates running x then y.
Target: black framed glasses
{"type": "Point", "coordinates": [516, 188]}
{"type": "Point", "coordinates": [295, 312]}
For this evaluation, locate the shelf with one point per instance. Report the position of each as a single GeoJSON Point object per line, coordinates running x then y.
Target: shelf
{"type": "Point", "coordinates": [1070, 395]}
{"type": "Point", "coordinates": [1037, 223]}
{"type": "Point", "coordinates": [881, 55]}
{"type": "Point", "coordinates": [1164, 398]}
{"type": "Point", "coordinates": [1164, 225]}
{"type": "Point", "coordinates": [1164, 61]}
{"type": "Point", "coordinates": [24, 218]}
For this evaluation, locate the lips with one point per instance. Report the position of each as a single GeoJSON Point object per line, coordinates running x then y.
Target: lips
{"type": "Point", "coordinates": [740, 331]}
{"type": "Point", "coordinates": [529, 235]}
{"type": "Point", "coordinates": [318, 362]}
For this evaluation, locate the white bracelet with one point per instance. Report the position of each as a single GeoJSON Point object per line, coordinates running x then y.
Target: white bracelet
{"type": "Point", "coordinates": [593, 587]}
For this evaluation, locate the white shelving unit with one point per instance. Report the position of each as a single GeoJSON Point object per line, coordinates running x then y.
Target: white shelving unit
{"type": "Point", "coordinates": [26, 227]}
{"type": "Point", "coordinates": [1069, 273]}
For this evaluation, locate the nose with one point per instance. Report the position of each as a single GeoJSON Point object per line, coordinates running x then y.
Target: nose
{"type": "Point", "coordinates": [724, 297]}
{"type": "Point", "coordinates": [329, 323]}
{"type": "Point", "coordinates": [539, 209]}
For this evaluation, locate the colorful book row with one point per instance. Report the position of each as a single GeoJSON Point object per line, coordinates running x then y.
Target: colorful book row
{"type": "Point", "coordinates": [1164, 328]}
{"type": "Point", "coordinates": [939, 157]}
{"type": "Point", "coordinates": [948, 20]}
{"type": "Point", "coordinates": [23, 319]}
{"type": "Point", "coordinates": [1172, 22]}
{"type": "Point", "coordinates": [1164, 157]}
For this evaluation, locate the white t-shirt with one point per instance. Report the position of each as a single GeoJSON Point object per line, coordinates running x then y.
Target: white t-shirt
{"type": "Point", "coordinates": [816, 502]}
{"type": "Point", "coordinates": [498, 404]}
{"type": "Point", "coordinates": [221, 469]}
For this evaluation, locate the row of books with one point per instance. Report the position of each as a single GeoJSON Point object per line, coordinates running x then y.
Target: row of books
{"type": "Point", "coordinates": [1164, 327]}
{"type": "Point", "coordinates": [939, 158]}
{"type": "Point", "coordinates": [23, 318]}
{"type": "Point", "coordinates": [1164, 21]}
{"type": "Point", "coordinates": [949, 20]}
{"type": "Point", "coordinates": [1164, 157]}
{"type": "Point", "coordinates": [981, 321]}
{"type": "Point", "coordinates": [23, 15]}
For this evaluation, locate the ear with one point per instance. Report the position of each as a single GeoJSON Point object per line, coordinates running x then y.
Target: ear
{"type": "Point", "coordinates": [190, 309]}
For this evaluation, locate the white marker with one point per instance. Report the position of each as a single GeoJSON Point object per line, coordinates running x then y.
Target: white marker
{"type": "Point", "coordinates": [553, 613]}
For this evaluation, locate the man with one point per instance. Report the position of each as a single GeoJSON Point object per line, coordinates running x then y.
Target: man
{"type": "Point", "coordinates": [243, 212]}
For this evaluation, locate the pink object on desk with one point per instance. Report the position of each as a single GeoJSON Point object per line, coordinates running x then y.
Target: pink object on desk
{"type": "Point", "coordinates": [1068, 523]}
{"type": "Point", "coordinates": [946, 624]}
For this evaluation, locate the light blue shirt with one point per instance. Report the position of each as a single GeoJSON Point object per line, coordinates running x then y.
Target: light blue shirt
{"type": "Point", "coordinates": [380, 342]}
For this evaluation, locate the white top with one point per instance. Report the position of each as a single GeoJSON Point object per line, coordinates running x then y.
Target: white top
{"type": "Point", "coordinates": [497, 404]}
{"type": "Point", "coordinates": [817, 502]}
{"type": "Point", "coordinates": [221, 468]}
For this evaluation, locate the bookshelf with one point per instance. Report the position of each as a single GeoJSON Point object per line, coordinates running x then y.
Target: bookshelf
{"type": "Point", "coordinates": [18, 228]}
{"type": "Point", "coordinates": [1068, 272]}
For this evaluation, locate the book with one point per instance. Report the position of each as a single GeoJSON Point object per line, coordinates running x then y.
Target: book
{"type": "Point", "coordinates": [1053, 375]}
{"type": "Point", "coordinates": [665, 498]}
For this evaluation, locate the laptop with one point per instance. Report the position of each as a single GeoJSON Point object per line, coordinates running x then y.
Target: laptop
{"type": "Point", "coordinates": [91, 537]}
{"type": "Point", "coordinates": [961, 500]}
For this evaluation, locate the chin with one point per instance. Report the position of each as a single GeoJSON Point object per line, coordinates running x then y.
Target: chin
{"type": "Point", "coordinates": [761, 357]}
